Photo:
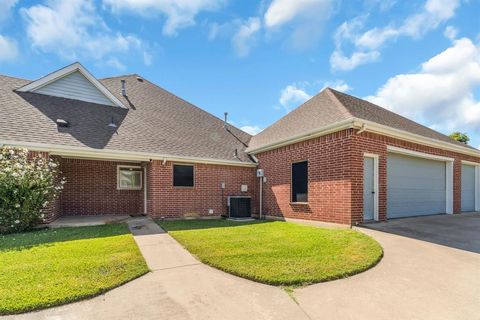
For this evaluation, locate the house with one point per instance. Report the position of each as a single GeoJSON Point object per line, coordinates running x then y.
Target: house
{"type": "Point", "coordinates": [126, 146]}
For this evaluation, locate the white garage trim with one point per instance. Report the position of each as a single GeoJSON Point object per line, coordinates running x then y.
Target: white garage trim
{"type": "Point", "coordinates": [449, 187]}
{"type": "Point", "coordinates": [375, 182]}
{"type": "Point", "coordinates": [477, 182]}
{"type": "Point", "coordinates": [418, 154]}
{"type": "Point", "coordinates": [448, 173]}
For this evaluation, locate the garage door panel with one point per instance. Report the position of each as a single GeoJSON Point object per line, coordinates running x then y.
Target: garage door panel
{"type": "Point", "coordinates": [468, 188]}
{"type": "Point", "coordinates": [415, 186]}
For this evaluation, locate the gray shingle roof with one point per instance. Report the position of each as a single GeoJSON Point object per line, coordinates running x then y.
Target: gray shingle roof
{"type": "Point", "coordinates": [156, 121]}
{"type": "Point", "coordinates": [330, 107]}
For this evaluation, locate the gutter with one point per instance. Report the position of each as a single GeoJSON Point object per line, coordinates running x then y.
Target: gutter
{"type": "Point", "coordinates": [117, 155]}
{"type": "Point", "coordinates": [369, 126]}
{"type": "Point", "coordinates": [344, 124]}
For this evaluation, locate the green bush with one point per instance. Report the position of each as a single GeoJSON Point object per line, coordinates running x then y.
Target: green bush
{"type": "Point", "coordinates": [27, 186]}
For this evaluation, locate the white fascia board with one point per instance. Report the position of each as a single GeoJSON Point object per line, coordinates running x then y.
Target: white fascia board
{"type": "Point", "coordinates": [418, 154]}
{"type": "Point", "coordinates": [418, 139]}
{"type": "Point", "coordinates": [373, 127]}
{"type": "Point", "coordinates": [52, 77]}
{"type": "Point", "coordinates": [471, 163]}
{"type": "Point", "coordinates": [115, 155]}
{"type": "Point", "coordinates": [345, 124]}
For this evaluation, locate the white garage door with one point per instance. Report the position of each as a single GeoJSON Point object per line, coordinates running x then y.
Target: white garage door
{"type": "Point", "coordinates": [468, 188]}
{"type": "Point", "coordinates": [415, 186]}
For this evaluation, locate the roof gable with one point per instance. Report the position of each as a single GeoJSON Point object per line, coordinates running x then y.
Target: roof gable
{"type": "Point", "coordinates": [330, 111]}
{"type": "Point", "coordinates": [73, 82]}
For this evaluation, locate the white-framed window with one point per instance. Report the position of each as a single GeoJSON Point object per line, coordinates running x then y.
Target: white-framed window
{"type": "Point", "coordinates": [129, 177]}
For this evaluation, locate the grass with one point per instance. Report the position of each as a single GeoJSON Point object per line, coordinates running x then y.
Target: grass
{"type": "Point", "coordinates": [50, 267]}
{"type": "Point", "coordinates": [277, 253]}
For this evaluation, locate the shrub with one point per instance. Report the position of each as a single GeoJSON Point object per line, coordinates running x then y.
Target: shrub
{"type": "Point", "coordinates": [27, 186]}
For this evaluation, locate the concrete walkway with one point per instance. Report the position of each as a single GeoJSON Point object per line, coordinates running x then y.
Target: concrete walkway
{"type": "Point", "coordinates": [179, 287]}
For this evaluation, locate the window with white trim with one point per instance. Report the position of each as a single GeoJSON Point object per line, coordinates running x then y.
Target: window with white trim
{"type": "Point", "coordinates": [129, 177]}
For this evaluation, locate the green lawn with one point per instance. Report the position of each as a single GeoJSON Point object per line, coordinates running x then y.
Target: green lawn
{"type": "Point", "coordinates": [50, 267]}
{"type": "Point", "coordinates": [277, 253]}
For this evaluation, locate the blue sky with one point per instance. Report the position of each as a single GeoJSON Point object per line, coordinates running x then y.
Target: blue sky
{"type": "Point", "coordinates": [260, 59]}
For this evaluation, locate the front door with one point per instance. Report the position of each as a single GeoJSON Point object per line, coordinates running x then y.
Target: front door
{"type": "Point", "coordinates": [368, 189]}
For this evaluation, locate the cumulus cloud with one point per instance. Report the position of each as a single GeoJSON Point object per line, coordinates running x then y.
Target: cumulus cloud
{"type": "Point", "coordinates": [244, 38]}
{"type": "Point", "coordinates": [292, 96]}
{"type": "Point", "coordinates": [8, 49]}
{"type": "Point", "coordinates": [73, 29]}
{"type": "Point", "coordinates": [367, 44]}
{"type": "Point", "coordinates": [442, 94]}
{"type": "Point", "coordinates": [253, 130]}
{"type": "Point", "coordinates": [338, 85]}
{"type": "Point", "coordinates": [178, 13]}
{"type": "Point", "coordinates": [307, 17]}
{"type": "Point", "coordinates": [339, 61]}
{"type": "Point", "coordinates": [297, 93]}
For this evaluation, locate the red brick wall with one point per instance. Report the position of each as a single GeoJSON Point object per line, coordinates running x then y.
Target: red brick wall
{"type": "Point", "coordinates": [165, 200]}
{"type": "Point", "coordinates": [91, 188]}
{"type": "Point", "coordinates": [329, 176]}
{"type": "Point", "coordinates": [335, 172]}
{"type": "Point", "coordinates": [374, 143]}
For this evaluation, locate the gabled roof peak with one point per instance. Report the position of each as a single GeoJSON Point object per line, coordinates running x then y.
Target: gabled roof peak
{"type": "Point", "coordinates": [71, 70]}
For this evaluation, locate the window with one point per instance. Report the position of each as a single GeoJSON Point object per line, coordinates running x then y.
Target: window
{"type": "Point", "coordinates": [300, 181]}
{"type": "Point", "coordinates": [129, 178]}
{"type": "Point", "coordinates": [183, 175]}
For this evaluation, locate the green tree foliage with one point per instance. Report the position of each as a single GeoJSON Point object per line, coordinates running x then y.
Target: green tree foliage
{"type": "Point", "coordinates": [462, 137]}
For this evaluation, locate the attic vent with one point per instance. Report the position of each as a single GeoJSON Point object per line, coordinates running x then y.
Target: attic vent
{"type": "Point", "coordinates": [62, 123]}
{"type": "Point", "coordinates": [124, 91]}
{"type": "Point", "coordinates": [140, 79]}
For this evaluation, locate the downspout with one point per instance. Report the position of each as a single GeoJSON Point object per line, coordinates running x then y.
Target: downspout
{"type": "Point", "coordinates": [363, 128]}
{"type": "Point", "coordinates": [145, 212]}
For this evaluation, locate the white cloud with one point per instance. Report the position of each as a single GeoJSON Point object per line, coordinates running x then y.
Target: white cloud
{"type": "Point", "coordinates": [147, 58]}
{"type": "Point", "coordinates": [441, 94]}
{"type": "Point", "coordinates": [367, 44]}
{"type": "Point", "coordinates": [283, 11]}
{"type": "Point", "coordinates": [115, 63]}
{"type": "Point", "coordinates": [308, 17]}
{"type": "Point", "coordinates": [244, 38]}
{"type": "Point", "coordinates": [297, 93]}
{"type": "Point", "coordinates": [253, 130]}
{"type": "Point", "coordinates": [450, 32]}
{"type": "Point", "coordinates": [73, 30]}
{"type": "Point", "coordinates": [339, 61]}
{"type": "Point", "coordinates": [292, 96]}
{"type": "Point", "coordinates": [8, 49]}
{"type": "Point", "coordinates": [338, 85]}
{"type": "Point", "coordinates": [179, 13]}
{"type": "Point", "coordinates": [5, 9]}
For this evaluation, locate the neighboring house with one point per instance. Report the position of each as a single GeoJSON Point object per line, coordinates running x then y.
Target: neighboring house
{"type": "Point", "coordinates": [127, 146]}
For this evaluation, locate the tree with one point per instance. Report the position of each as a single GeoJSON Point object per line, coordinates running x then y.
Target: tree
{"type": "Point", "coordinates": [462, 137]}
{"type": "Point", "coordinates": [27, 186]}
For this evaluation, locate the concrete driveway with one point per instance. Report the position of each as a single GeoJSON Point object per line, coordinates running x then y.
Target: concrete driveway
{"type": "Point", "coordinates": [416, 279]}
{"type": "Point", "coordinates": [423, 274]}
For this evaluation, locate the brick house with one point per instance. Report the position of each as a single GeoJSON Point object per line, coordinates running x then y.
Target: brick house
{"type": "Point", "coordinates": [126, 146]}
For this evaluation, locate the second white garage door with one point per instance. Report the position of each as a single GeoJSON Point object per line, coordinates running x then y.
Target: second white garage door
{"type": "Point", "coordinates": [415, 186]}
{"type": "Point", "coordinates": [468, 188]}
